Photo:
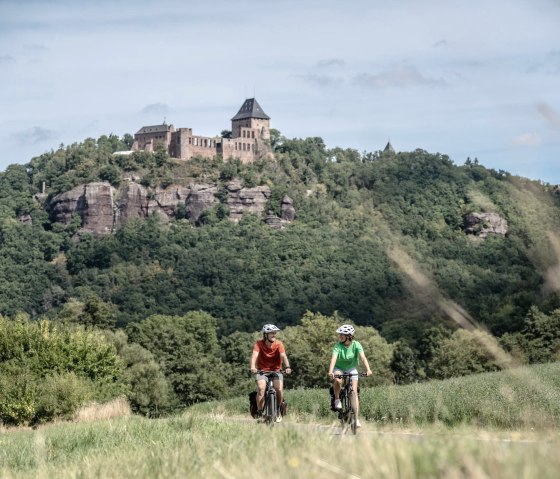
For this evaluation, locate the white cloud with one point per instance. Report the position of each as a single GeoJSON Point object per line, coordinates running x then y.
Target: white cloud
{"type": "Point", "coordinates": [34, 135]}
{"type": "Point", "coordinates": [320, 80]}
{"type": "Point", "coordinates": [527, 139]}
{"type": "Point", "coordinates": [7, 59]}
{"type": "Point", "coordinates": [399, 77]}
{"type": "Point", "coordinates": [156, 109]}
{"type": "Point", "coordinates": [329, 62]}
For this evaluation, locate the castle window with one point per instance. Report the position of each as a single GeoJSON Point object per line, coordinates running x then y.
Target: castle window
{"type": "Point", "coordinates": [252, 134]}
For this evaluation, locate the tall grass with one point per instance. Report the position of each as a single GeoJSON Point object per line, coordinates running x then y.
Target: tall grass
{"type": "Point", "coordinates": [518, 398]}
{"type": "Point", "coordinates": [208, 441]}
{"type": "Point", "coordinates": [209, 446]}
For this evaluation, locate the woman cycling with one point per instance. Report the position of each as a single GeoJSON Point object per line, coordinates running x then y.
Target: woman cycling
{"type": "Point", "coordinates": [345, 355]}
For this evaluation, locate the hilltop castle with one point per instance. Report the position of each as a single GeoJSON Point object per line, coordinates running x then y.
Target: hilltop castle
{"type": "Point", "coordinates": [250, 138]}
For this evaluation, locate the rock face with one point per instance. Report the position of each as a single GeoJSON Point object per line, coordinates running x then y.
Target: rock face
{"type": "Point", "coordinates": [200, 198]}
{"type": "Point", "coordinates": [103, 208]}
{"type": "Point", "coordinates": [483, 224]}
{"type": "Point", "coordinates": [245, 200]}
{"type": "Point", "coordinates": [288, 211]}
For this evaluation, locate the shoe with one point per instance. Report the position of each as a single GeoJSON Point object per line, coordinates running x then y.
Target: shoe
{"type": "Point", "coordinates": [278, 418]}
{"type": "Point", "coordinates": [358, 423]}
{"type": "Point", "coordinates": [337, 404]}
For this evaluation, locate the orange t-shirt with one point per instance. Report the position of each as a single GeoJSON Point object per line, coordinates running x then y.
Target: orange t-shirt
{"type": "Point", "coordinates": [269, 359]}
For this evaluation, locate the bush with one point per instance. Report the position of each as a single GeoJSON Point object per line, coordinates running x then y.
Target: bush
{"type": "Point", "coordinates": [48, 370]}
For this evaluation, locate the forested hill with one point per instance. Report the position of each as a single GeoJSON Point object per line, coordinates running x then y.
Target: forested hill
{"type": "Point", "coordinates": [354, 213]}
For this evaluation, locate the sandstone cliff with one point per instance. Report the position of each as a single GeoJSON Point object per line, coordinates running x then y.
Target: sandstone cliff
{"type": "Point", "coordinates": [483, 224]}
{"type": "Point", "coordinates": [103, 208]}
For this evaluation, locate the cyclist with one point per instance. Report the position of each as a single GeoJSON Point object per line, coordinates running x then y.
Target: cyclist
{"type": "Point", "coordinates": [344, 359]}
{"type": "Point", "coordinates": [268, 355]}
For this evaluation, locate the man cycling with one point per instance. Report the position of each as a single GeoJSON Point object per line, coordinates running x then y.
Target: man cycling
{"type": "Point", "coordinates": [268, 355]}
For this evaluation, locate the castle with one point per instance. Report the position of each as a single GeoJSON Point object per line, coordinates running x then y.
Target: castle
{"type": "Point", "coordinates": [250, 138]}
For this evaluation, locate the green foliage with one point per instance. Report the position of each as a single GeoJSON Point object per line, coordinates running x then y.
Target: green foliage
{"type": "Point", "coordinates": [186, 348]}
{"type": "Point", "coordinates": [49, 370]}
{"type": "Point", "coordinates": [310, 344]}
{"type": "Point", "coordinates": [463, 353]}
{"type": "Point", "coordinates": [351, 208]}
{"type": "Point", "coordinates": [149, 389]}
{"type": "Point", "coordinates": [404, 364]}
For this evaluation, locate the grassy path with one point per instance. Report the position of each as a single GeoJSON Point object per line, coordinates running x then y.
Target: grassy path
{"type": "Point", "coordinates": [215, 446]}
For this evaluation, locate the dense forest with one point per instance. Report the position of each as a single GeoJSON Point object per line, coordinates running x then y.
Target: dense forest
{"type": "Point", "coordinates": [378, 240]}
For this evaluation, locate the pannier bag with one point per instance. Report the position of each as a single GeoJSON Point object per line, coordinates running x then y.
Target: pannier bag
{"type": "Point", "coordinates": [253, 404]}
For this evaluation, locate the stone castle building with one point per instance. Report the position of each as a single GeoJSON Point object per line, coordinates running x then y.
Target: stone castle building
{"type": "Point", "coordinates": [250, 138]}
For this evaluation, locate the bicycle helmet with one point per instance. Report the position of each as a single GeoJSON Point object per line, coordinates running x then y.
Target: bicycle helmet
{"type": "Point", "coordinates": [269, 328]}
{"type": "Point", "coordinates": [347, 329]}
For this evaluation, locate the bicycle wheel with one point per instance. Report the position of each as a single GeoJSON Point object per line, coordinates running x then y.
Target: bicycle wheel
{"type": "Point", "coordinates": [271, 409]}
{"type": "Point", "coordinates": [352, 416]}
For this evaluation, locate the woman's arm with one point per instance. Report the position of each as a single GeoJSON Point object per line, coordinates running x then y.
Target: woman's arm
{"type": "Point", "coordinates": [331, 365]}
{"type": "Point", "coordinates": [365, 363]}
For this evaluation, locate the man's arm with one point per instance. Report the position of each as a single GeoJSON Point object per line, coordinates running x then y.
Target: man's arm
{"type": "Point", "coordinates": [253, 366]}
{"type": "Point", "coordinates": [286, 362]}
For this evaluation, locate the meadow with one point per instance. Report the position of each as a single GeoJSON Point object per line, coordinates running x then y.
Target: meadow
{"type": "Point", "coordinates": [497, 425]}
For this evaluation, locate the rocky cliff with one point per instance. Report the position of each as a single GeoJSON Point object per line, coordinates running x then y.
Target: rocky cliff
{"type": "Point", "coordinates": [483, 224]}
{"type": "Point", "coordinates": [103, 208]}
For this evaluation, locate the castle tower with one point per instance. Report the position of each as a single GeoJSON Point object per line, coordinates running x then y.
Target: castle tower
{"type": "Point", "coordinates": [251, 121]}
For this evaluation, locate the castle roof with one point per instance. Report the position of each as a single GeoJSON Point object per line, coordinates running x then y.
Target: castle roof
{"type": "Point", "coordinates": [250, 109]}
{"type": "Point", "coordinates": [389, 148]}
{"type": "Point", "coordinates": [155, 129]}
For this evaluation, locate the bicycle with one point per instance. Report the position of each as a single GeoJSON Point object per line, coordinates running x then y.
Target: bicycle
{"type": "Point", "coordinates": [270, 412]}
{"type": "Point", "coordinates": [348, 414]}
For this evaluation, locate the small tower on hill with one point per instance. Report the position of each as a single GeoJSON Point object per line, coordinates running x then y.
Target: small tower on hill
{"type": "Point", "coordinates": [389, 148]}
{"type": "Point", "coordinates": [251, 121]}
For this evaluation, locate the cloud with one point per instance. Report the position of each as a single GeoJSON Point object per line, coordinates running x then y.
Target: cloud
{"type": "Point", "coordinates": [7, 59]}
{"type": "Point", "coordinates": [35, 47]}
{"type": "Point", "coordinates": [441, 43]}
{"type": "Point", "coordinates": [550, 64]}
{"type": "Point", "coordinates": [400, 77]}
{"type": "Point", "coordinates": [156, 109]}
{"type": "Point", "coordinates": [527, 139]}
{"type": "Point", "coordinates": [33, 135]}
{"type": "Point", "coordinates": [321, 80]}
{"type": "Point", "coordinates": [551, 117]}
{"type": "Point", "coordinates": [328, 62]}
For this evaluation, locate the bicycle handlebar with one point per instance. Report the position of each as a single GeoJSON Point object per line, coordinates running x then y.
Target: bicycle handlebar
{"type": "Point", "coordinates": [347, 375]}
{"type": "Point", "coordinates": [272, 372]}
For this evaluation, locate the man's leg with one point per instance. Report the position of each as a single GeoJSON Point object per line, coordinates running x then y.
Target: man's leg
{"type": "Point", "coordinates": [261, 385]}
{"type": "Point", "coordinates": [279, 386]}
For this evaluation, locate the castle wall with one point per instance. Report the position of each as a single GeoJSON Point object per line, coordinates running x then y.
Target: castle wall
{"type": "Point", "coordinates": [242, 148]}
{"type": "Point", "coordinates": [248, 142]}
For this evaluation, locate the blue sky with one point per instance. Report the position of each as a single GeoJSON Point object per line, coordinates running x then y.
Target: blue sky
{"type": "Point", "coordinates": [463, 78]}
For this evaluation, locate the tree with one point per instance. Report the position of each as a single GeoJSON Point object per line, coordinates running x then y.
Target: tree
{"type": "Point", "coordinates": [404, 364]}
{"type": "Point", "coordinates": [186, 348]}
{"type": "Point", "coordinates": [464, 353]}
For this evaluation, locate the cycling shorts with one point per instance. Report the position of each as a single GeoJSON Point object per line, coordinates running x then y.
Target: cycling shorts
{"type": "Point", "coordinates": [262, 377]}
{"type": "Point", "coordinates": [353, 372]}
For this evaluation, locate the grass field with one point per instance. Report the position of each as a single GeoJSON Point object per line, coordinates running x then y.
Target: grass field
{"type": "Point", "coordinates": [218, 440]}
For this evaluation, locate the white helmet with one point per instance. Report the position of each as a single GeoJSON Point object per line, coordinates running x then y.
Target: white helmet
{"type": "Point", "coordinates": [347, 329]}
{"type": "Point", "coordinates": [269, 328]}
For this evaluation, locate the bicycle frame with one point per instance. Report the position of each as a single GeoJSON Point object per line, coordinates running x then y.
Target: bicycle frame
{"type": "Point", "coordinates": [270, 412]}
{"type": "Point", "coordinates": [348, 414]}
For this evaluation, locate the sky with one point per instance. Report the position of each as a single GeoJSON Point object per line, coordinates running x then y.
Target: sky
{"type": "Point", "coordinates": [477, 78]}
